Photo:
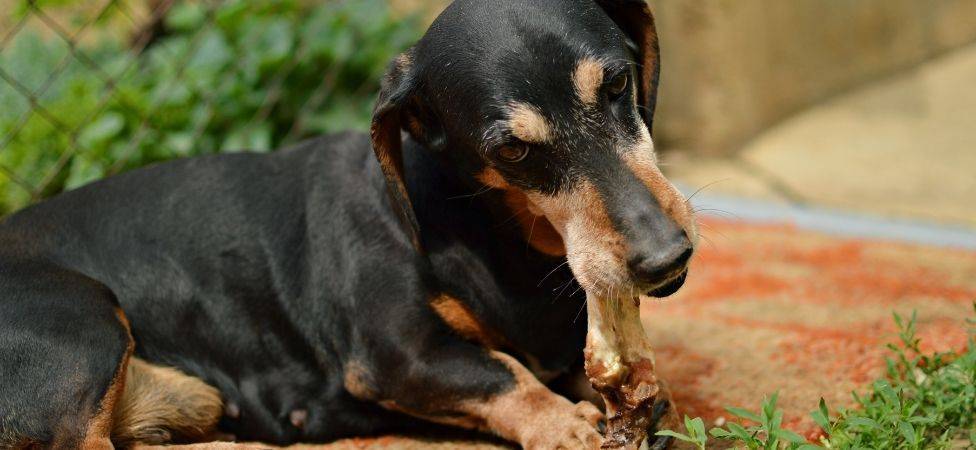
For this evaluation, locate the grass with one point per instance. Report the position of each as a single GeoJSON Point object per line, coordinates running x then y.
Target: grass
{"type": "Point", "coordinates": [922, 402]}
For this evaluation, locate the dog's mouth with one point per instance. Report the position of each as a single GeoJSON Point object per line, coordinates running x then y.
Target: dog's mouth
{"type": "Point", "coordinates": [669, 286]}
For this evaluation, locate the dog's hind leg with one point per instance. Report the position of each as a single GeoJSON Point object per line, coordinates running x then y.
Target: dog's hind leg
{"type": "Point", "coordinates": [162, 405]}
{"type": "Point", "coordinates": [67, 378]}
{"type": "Point", "coordinates": [64, 350]}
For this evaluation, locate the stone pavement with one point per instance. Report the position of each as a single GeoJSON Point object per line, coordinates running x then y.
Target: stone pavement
{"type": "Point", "coordinates": [904, 147]}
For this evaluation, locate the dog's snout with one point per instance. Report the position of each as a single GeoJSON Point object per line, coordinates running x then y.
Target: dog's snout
{"type": "Point", "coordinates": [656, 263]}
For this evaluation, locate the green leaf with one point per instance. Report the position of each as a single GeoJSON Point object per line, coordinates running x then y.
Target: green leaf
{"type": "Point", "coordinates": [679, 436]}
{"type": "Point", "coordinates": [908, 432]}
{"type": "Point", "coordinates": [821, 420]}
{"type": "Point", "coordinates": [251, 138]}
{"type": "Point", "coordinates": [863, 422]}
{"type": "Point", "coordinates": [790, 436]}
{"type": "Point", "coordinates": [186, 16]}
{"type": "Point", "coordinates": [107, 126]}
{"type": "Point", "coordinates": [695, 426]}
{"type": "Point", "coordinates": [744, 413]}
{"type": "Point", "coordinates": [83, 171]}
{"type": "Point", "coordinates": [719, 433]}
{"type": "Point", "coordinates": [809, 447]}
{"type": "Point", "coordinates": [739, 431]}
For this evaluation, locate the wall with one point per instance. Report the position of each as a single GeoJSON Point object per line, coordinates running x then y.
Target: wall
{"type": "Point", "coordinates": [732, 68]}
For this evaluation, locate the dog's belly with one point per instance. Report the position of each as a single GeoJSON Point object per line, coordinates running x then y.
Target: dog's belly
{"type": "Point", "coordinates": [276, 389]}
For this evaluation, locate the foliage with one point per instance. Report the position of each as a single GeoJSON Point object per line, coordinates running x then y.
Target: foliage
{"type": "Point", "coordinates": [924, 402]}
{"type": "Point", "coordinates": [241, 75]}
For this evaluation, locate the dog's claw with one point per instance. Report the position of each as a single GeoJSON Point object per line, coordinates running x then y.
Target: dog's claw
{"type": "Point", "coordinates": [662, 443]}
{"type": "Point", "coordinates": [660, 409]}
{"type": "Point", "coordinates": [658, 412]}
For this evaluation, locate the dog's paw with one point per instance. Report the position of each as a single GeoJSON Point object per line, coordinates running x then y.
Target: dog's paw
{"type": "Point", "coordinates": [663, 417]}
{"type": "Point", "coordinates": [566, 426]}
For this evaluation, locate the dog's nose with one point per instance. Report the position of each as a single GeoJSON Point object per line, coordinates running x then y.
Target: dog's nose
{"type": "Point", "coordinates": [653, 265]}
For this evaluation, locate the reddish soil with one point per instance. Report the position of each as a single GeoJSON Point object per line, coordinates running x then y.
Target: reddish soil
{"type": "Point", "coordinates": [770, 308]}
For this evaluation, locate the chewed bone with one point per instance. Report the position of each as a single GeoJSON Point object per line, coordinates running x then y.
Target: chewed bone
{"type": "Point", "coordinates": [620, 365]}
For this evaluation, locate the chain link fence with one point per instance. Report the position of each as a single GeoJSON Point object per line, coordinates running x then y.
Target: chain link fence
{"type": "Point", "coordinates": [89, 89]}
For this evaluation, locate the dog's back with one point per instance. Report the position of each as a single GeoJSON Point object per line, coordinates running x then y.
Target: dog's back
{"type": "Point", "coordinates": [203, 250]}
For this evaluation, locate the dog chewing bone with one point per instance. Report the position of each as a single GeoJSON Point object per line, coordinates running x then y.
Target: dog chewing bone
{"type": "Point", "coordinates": [620, 365]}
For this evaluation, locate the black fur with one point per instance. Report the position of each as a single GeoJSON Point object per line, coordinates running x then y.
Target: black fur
{"type": "Point", "coordinates": [266, 275]}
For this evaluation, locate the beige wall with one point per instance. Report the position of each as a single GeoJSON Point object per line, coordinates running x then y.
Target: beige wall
{"type": "Point", "coordinates": [731, 68]}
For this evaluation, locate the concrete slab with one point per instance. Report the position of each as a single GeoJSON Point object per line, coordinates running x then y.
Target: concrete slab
{"type": "Point", "coordinates": [904, 147]}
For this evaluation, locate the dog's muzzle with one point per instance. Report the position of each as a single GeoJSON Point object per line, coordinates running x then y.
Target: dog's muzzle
{"type": "Point", "coordinates": [670, 287]}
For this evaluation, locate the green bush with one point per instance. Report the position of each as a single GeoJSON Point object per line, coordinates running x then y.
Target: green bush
{"type": "Point", "coordinates": [252, 75]}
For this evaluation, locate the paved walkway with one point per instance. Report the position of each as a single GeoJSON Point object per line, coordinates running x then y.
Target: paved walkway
{"type": "Point", "coordinates": [904, 148]}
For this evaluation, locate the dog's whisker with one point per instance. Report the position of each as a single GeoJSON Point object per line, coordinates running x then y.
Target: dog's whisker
{"type": "Point", "coordinates": [579, 312]}
{"type": "Point", "coordinates": [552, 272]}
{"type": "Point", "coordinates": [706, 187]}
{"type": "Point", "coordinates": [720, 211]}
{"type": "Point", "coordinates": [479, 192]}
{"type": "Point", "coordinates": [565, 286]}
{"type": "Point", "coordinates": [596, 287]}
{"type": "Point", "coordinates": [510, 218]}
{"type": "Point", "coordinates": [708, 240]}
{"type": "Point", "coordinates": [712, 229]}
{"type": "Point", "coordinates": [528, 242]}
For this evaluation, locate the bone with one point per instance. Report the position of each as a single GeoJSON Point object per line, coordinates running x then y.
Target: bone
{"type": "Point", "coordinates": [620, 365]}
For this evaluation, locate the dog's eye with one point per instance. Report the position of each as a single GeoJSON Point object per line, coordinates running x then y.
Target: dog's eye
{"type": "Point", "coordinates": [513, 153]}
{"type": "Point", "coordinates": [617, 86]}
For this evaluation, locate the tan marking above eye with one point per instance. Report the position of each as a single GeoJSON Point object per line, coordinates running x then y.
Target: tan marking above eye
{"type": "Point", "coordinates": [527, 123]}
{"type": "Point", "coordinates": [587, 79]}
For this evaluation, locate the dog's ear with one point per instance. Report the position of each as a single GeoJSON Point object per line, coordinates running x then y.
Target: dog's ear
{"type": "Point", "coordinates": [634, 17]}
{"type": "Point", "coordinates": [396, 91]}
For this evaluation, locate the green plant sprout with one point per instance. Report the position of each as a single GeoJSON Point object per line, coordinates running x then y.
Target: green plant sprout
{"type": "Point", "coordinates": [923, 402]}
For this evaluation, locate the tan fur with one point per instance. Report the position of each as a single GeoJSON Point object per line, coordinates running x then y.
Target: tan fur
{"type": "Point", "coordinates": [403, 61]}
{"type": "Point", "coordinates": [536, 228]}
{"type": "Point", "coordinates": [99, 432]}
{"type": "Point", "coordinates": [527, 123]}
{"type": "Point", "coordinates": [594, 248]}
{"type": "Point", "coordinates": [587, 78]}
{"type": "Point", "coordinates": [534, 416]}
{"type": "Point", "coordinates": [529, 414]}
{"type": "Point", "coordinates": [596, 251]}
{"type": "Point", "coordinates": [459, 420]}
{"type": "Point", "coordinates": [210, 446]}
{"type": "Point", "coordinates": [491, 177]}
{"type": "Point", "coordinates": [457, 316]}
{"type": "Point", "coordinates": [358, 381]}
{"type": "Point", "coordinates": [161, 403]}
{"type": "Point", "coordinates": [642, 161]}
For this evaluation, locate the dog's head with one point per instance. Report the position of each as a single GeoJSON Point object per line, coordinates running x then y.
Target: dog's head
{"type": "Point", "coordinates": [551, 101]}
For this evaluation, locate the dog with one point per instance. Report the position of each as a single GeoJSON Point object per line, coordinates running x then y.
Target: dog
{"type": "Point", "coordinates": [419, 276]}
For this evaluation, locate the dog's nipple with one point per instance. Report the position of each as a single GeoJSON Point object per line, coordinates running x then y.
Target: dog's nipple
{"type": "Point", "coordinates": [298, 418]}
{"type": "Point", "coordinates": [232, 411]}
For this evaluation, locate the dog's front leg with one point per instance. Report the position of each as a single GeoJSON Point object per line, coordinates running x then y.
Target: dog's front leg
{"type": "Point", "coordinates": [461, 384]}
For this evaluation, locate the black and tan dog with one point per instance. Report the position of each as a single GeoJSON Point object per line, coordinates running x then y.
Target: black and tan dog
{"type": "Point", "coordinates": [317, 293]}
